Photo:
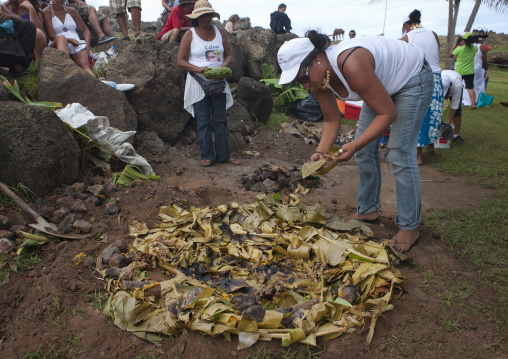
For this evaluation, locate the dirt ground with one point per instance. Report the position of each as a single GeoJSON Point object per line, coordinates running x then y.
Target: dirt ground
{"type": "Point", "coordinates": [48, 307]}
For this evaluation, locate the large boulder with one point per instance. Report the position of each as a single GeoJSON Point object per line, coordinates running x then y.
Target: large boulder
{"type": "Point", "coordinates": [36, 148]}
{"type": "Point", "coordinates": [157, 97]}
{"type": "Point", "coordinates": [256, 98]}
{"type": "Point", "coordinates": [259, 47]}
{"type": "Point", "coordinates": [239, 62]}
{"type": "Point", "coordinates": [4, 95]}
{"type": "Point", "coordinates": [239, 120]}
{"type": "Point", "coordinates": [61, 80]}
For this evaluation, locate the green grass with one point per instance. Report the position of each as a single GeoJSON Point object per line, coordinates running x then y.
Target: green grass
{"type": "Point", "coordinates": [150, 355]}
{"type": "Point", "coordinates": [30, 80]}
{"type": "Point", "coordinates": [19, 190]}
{"type": "Point", "coordinates": [98, 299]}
{"type": "Point", "coordinates": [276, 120]}
{"type": "Point", "coordinates": [478, 235]}
{"type": "Point", "coordinates": [19, 263]}
{"type": "Point", "coordinates": [68, 347]}
{"type": "Point", "coordinates": [260, 352]}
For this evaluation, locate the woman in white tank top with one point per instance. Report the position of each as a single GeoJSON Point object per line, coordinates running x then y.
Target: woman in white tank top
{"type": "Point", "coordinates": [60, 22]}
{"type": "Point", "coordinates": [395, 84]}
{"type": "Point", "coordinates": [428, 41]}
{"type": "Point", "coordinates": [204, 46]}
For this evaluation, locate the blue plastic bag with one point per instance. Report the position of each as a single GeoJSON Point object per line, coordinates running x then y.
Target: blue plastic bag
{"type": "Point", "coordinates": [484, 100]}
{"type": "Point", "coordinates": [7, 26]}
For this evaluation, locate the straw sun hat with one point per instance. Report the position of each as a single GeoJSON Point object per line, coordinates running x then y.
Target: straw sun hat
{"type": "Point", "coordinates": [202, 7]}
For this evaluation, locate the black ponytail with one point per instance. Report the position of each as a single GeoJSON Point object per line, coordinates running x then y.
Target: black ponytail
{"type": "Point", "coordinates": [415, 17]}
{"type": "Point", "coordinates": [320, 42]}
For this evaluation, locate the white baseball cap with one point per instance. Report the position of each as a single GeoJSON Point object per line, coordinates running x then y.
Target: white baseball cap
{"type": "Point", "coordinates": [290, 56]}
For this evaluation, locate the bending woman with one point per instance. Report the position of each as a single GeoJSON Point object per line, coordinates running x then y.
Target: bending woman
{"type": "Point", "coordinates": [60, 22]}
{"type": "Point", "coordinates": [395, 83]}
{"type": "Point", "coordinates": [204, 46]}
{"type": "Point", "coordinates": [30, 10]}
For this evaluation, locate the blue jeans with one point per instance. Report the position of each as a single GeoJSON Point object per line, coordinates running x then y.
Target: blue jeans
{"type": "Point", "coordinates": [412, 103]}
{"type": "Point", "coordinates": [211, 117]}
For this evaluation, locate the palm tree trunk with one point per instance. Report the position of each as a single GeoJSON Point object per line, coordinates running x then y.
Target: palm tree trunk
{"type": "Point", "coordinates": [453, 14]}
{"type": "Point", "coordinates": [470, 22]}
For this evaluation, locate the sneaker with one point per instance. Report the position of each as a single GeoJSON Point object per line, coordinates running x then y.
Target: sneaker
{"type": "Point", "coordinates": [458, 140]}
{"type": "Point", "coordinates": [105, 39]}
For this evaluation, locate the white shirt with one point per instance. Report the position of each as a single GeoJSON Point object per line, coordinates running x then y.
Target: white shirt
{"type": "Point", "coordinates": [453, 81]}
{"type": "Point", "coordinates": [396, 61]}
{"type": "Point", "coordinates": [204, 53]}
{"type": "Point", "coordinates": [425, 39]}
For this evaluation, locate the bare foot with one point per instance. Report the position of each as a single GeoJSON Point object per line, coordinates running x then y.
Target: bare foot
{"type": "Point", "coordinates": [366, 217]}
{"type": "Point", "coordinates": [404, 240]}
{"type": "Point", "coordinates": [419, 159]}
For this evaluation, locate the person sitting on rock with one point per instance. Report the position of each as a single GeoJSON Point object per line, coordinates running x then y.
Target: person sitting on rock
{"type": "Point", "coordinates": [18, 59]}
{"type": "Point", "coordinates": [60, 22]}
{"type": "Point", "coordinates": [120, 8]}
{"type": "Point", "coordinates": [30, 10]}
{"type": "Point", "coordinates": [279, 21]}
{"type": "Point", "coordinates": [230, 25]}
{"type": "Point", "coordinates": [98, 22]}
{"type": "Point", "coordinates": [177, 22]}
{"type": "Point", "coordinates": [168, 5]}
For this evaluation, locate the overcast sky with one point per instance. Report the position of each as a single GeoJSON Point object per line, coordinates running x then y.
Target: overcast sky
{"type": "Point", "coordinates": [326, 15]}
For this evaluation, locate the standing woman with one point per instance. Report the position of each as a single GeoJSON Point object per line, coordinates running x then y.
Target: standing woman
{"type": "Point", "coordinates": [428, 41]}
{"type": "Point", "coordinates": [209, 111]}
{"type": "Point", "coordinates": [30, 10]}
{"type": "Point", "coordinates": [480, 66]}
{"type": "Point", "coordinates": [464, 52]}
{"type": "Point", "coordinates": [60, 22]}
{"type": "Point", "coordinates": [395, 83]}
{"type": "Point", "coordinates": [230, 25]}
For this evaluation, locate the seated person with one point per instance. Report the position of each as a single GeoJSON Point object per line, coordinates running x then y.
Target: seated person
{"type": "Point", "coordinates": [352, 34]}
{"type": "Point", "coordinates": [60, 22]}
{"type": "Point", "coordinates": [279, 21]}
{"type": "Point", "coordinates": [99, 23]}
{"type": "Point", "coordinates": [168, 6]}
{"type": "Point", "coordinates": [230, 25]}
{"type": "Point", "coordinates": [17, 59]}
{"type": "Point", "coordinates": [177, 22]}
{"type": "Point", "coordinates": [30, 10]}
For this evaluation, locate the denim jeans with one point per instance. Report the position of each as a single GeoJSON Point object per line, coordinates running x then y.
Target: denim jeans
{"type": "Point", "coordinates": [411, 102]}
{"type": "Point", "coordinates": [211, 117]}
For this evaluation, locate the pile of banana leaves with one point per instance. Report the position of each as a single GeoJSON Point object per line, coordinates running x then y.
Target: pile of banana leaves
{"type": "Point", "coordinates": [269, 270]}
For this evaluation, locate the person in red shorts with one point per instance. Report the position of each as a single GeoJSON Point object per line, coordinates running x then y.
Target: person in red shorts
{"type": "Point", "coordinates": [177, 22]}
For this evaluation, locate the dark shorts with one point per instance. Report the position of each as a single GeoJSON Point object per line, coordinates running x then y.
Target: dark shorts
{"type": "Point", "coordinates": [469, 80]}
{"type": "Point", "coordinates": [459, 110]}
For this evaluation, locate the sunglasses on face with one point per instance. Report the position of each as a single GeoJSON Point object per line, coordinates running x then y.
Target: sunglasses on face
{"type": "Point", "coordinates": [302, 79]}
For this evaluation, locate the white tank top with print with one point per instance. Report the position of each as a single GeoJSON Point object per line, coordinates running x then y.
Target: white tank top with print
{"type": "Point", "coordinates": [206, 53]}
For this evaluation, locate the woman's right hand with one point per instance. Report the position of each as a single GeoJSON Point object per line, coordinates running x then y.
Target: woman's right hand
{"type": "Point", "coordinates": [73, 42]}
{"type": "Point", "coordinates": [202, 69]}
